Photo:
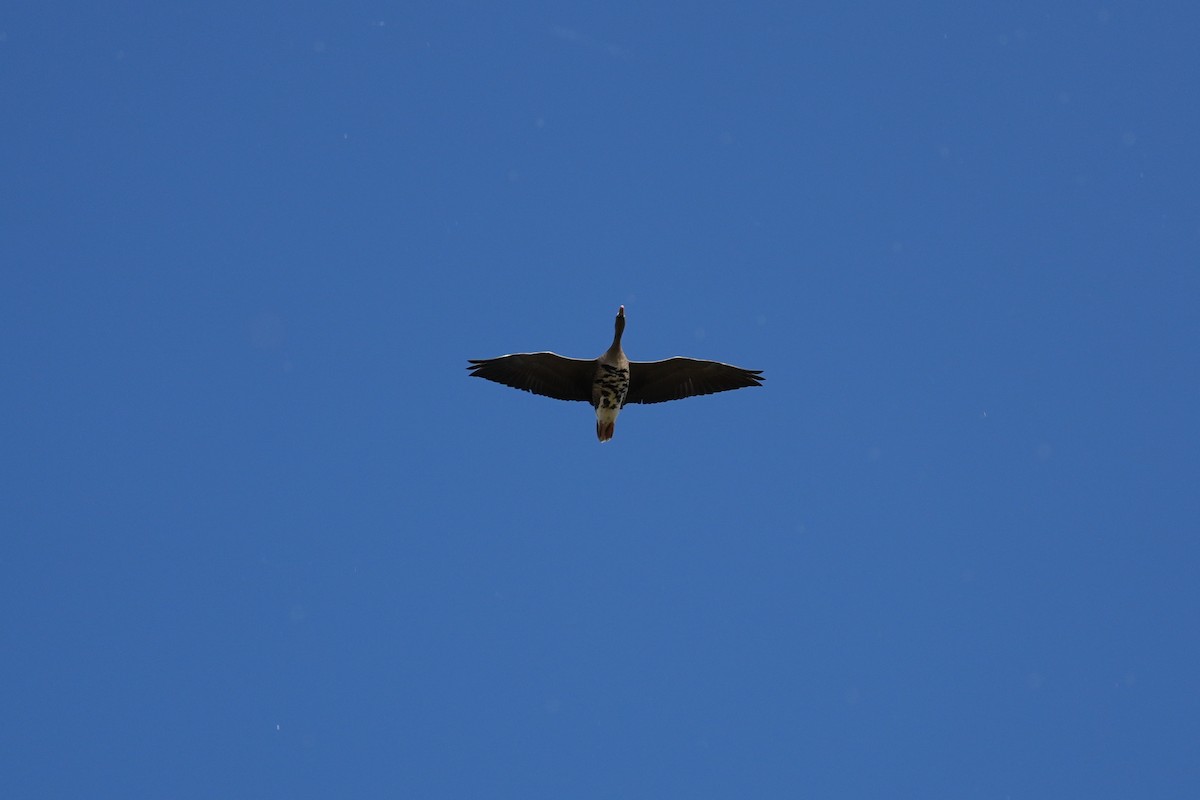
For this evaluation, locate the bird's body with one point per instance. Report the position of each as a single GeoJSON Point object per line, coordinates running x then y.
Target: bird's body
{"type": "Point", "coordinates": [612, 380]}
{"type": "Point", "coordinates": [610, 384]}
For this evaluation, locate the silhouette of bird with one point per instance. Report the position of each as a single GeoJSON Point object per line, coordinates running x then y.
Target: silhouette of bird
{"type": "Point", "coordinates": [612, 380]}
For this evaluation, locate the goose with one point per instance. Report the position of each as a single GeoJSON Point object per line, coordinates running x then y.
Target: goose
{"type": "Point", "coordinates": [612, 380]}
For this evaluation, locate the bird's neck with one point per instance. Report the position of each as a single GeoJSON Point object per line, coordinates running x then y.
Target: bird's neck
{"type": "Point", "coordinates": [616, 343]}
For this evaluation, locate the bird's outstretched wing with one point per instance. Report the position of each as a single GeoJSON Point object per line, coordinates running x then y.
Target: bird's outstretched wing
{"type": "Point", "coordinates": [547, 374]}
{"type": "Point", "coordinates": [677, 378]}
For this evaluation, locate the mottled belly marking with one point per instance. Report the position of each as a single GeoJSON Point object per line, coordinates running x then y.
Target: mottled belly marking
{"type": "Point", "coordinates": [610, 387]}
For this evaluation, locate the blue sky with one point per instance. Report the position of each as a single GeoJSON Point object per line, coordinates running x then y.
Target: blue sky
{"type": "Point", "coordinates": [263, 537]}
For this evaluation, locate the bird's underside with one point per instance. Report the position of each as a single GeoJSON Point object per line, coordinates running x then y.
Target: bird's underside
{"type": "Point", "coordinates": [611, 381]}
{"type": "Point", "coordinates": [562, 378]}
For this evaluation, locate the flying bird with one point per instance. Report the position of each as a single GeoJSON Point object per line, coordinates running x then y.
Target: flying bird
{"type": "Point", "coordinates": [612, 380]}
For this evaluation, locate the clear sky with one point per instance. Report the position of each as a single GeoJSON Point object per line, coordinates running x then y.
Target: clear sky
{"type": "Point", "coordinates": [262, 536]}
